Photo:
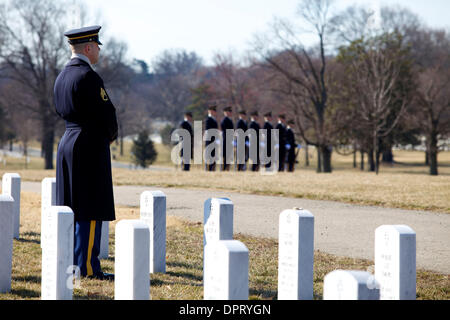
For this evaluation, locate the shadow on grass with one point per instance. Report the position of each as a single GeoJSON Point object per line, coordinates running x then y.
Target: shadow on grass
{"type": "Point", "coordinates": [34, 279]}
{"type": "Point", "coordinates": [25, 293]}
{"type": "Point", "coordinates": [91, 296]}
{"type": "Point", "coordinates": [184, 265]}
{"type": "Point", "coordinates": [185, 275]}
{"type": "Point", "coordinates": [262, 294]}
{"type": "Point", "coordinates": [29, 236]}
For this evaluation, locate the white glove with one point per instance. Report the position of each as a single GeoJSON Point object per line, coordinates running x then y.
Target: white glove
{"type": "Point", "coordinates": [247, 143]}
{"type": "Point", "coordinates": [262, 144]}
{"type": "Point", "coordinates": [277, 146]}
{"type": "Point", "coordinates": [287, 146]}
{"type": "Point", "coordinates": [234, 143]}
{"type": "Point", "coordinates": [217, 141]}
{"type": "Point", "coordinates": [299, 146]}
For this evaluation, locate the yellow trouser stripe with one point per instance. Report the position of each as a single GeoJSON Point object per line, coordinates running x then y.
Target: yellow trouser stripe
{"type": "Point", "coordinates": [90, 246]}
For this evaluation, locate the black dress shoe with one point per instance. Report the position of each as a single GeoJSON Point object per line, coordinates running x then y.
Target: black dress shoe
{"type": "Point", "coordinates": [103, 276]}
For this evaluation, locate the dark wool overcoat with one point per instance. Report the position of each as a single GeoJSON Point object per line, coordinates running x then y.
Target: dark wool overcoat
{"type": "Point", "coordinates": [225, 125]}
{"type": "Point", "coordinates": [211, 123]}
{"type": "Point", "coordinates": [83, 162]}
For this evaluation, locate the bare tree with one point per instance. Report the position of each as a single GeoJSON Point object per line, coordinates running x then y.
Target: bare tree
{"type": "Point", "coordinates": [379, 69]}
{"type": "Point", "coordinates": [433, 92]}
{"type": "Point", "coordinates": [233, 83]}
{"type": "Point", "coordinates": [33, 50]}
{"type": "Point", "coordinates": [174, 77]}
{"type": "Point", "coordinates": [305, 71]}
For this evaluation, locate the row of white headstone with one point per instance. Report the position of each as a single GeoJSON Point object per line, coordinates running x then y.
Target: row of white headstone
{"type": "Point", "coordinates": [141, 249]}
{"type": "Point", "coordinates": [226, 261]}
{"type": "Point", "coordinates": [9, 225]}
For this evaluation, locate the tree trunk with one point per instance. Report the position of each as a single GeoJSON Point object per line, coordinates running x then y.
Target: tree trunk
{"type": "Point", "coordinates": [48, 141]}
{"type": "Point", "coordinates": [362, 160]}
{"type": "Point", "coordinates": [388, 156]}
{"type": "Point", "coordinates": [371, 161]}
{"type": "Point", "coordinates": [432, 155]}
{"type": "Point", "coordinates": [306, 155]}
{"type": "Point", "coordinates": [319, 160]}
{"type": "Point", "coordinates": [121, 146]}
{"type": "Point", "coordinates": [377, 161]}
{"type": "Point", "coordinates": [326, 159]}
{"type": "Point", "coordinates": [354, 156]}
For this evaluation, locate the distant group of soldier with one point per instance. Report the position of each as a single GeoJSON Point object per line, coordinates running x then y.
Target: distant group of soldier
{"type": "Point", "coordinates": [285, 145]}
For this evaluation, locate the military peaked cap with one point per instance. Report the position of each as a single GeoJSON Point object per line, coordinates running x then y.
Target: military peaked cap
{"type": "Point", "coordinates": [268, 114]}
{"type": "Point", "coordinates": [212, 107]}
{"type": "Point", "coordinates": [291, 122]}
{"type": "Point", "coordinates": [228, 109]}
{"type": "Point", "coordinates": [254, 113]}
{"type": "Point", "coordinates": [242, 112]}
{"type": "Point", "coordinates": [86, 34]}
{"type": "Point", "coordinates": [282, 116]}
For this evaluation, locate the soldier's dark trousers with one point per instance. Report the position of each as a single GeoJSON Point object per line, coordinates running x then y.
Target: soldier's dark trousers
{"type": "Point", "coordinates": [282, 160]}
{"type": "Point", "coordinates": [87, 246]}
{"type": "Point", "coordinates": [186, 166]}
{"type": "Point", "coordinates": [291, 167]}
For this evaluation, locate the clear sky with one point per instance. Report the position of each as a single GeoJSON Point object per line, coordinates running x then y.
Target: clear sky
{"type": "Point", "coordinates": [211, 26]}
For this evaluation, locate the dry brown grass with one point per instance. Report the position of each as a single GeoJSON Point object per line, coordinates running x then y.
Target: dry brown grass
{"type": "Point", "coordinates": [183, 279]}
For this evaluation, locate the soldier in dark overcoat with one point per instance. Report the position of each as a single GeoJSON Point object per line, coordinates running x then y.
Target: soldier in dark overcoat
{"type": "Point", "coordinates": [242, 124]}
{"type": "Point", "coordinates": [83, 170]}
{"type": "Point", "coordinates": [255, 126]}
{"type": "Point", "coordinates": [267, 143]}
{"type": "Point", "coordinates": [290, 146]}
{"type": "Point", "coordinates": [226, 124]}
{"type": "Point", "coordinates": [211, 123]}
{"type": "Point", "coordinates": [281, 127]}
{"type": "Point", "coordinates": [186, 125]}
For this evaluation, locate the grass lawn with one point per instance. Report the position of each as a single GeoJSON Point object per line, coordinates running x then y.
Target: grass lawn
{"type": "Point", "coordinates": [405, 186]}
{"type": "Point", "coordinates": [183, 279]}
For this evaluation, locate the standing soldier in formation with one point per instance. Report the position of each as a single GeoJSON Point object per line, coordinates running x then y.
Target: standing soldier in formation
{"type": "Point", "coordinates": [186, 125]}
{"type": "Point", "coordinates": [225, 124]}
{"type": "Point", "coordinates": [255, 126]}
{"type": "Point", "coordinates": [83, 162]}
{"type": "Point", "coordinates": [242, 124]}
{"type": "Point", "coordinates": [282, 141]}
{"type": "Point", "coordinates": [211, 123]}
{"type": "Point", "coordinates": [290, 146]}
{"type": "Point", "coordinates": [267, 143]}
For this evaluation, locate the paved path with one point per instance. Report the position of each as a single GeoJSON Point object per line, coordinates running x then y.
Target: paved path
{"type": "Point", "coordinates": [340, 229]}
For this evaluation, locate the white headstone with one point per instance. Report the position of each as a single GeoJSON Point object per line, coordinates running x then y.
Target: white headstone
{"type": "Point", "coordinates": [395, 262]}
{"type": "Point", "coordinates": [217, 220]}
{"type": "Point", "coordinates": [48, 199]}
{"type": "Point", "coordinates": [57, 254]}
{"type": "Point", "coordinates": [11, 187]}
{"type": "Point", "coordinates": [104, 241]}
{"type": "Point", "coordinates": [296, 255]}
{"type": "Point", "coordinates": [350, 285]}
{"type": "Point", "coordinates": [132, 279]}
{"type": "Point", "coordinates": [153, 212]}
{"type": "Point", "coordinates": [226, 270]}
{"type": "Point", "coordinates": [6, 241]}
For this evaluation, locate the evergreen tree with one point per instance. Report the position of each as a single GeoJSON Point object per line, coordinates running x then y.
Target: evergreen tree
{"type": "Point", "coordinates": [200, 99]}
{"type": "Point", "coordinates": [143, 150]}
